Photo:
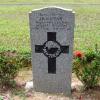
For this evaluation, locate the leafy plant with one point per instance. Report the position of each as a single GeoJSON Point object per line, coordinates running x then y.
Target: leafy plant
{"type": "Point", "coordinates": [87, 68]}
{"type": "Point", "coordinates": [25, 60]}
{"type": "Point", "coordinates": [9, 68]}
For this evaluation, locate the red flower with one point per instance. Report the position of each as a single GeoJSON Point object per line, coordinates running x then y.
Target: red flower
{"type": "Point", "coordinates": [78, 54]}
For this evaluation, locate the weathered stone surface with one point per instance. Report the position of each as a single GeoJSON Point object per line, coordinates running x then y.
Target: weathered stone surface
{"type": "Point", "coordinates": [52, 33]}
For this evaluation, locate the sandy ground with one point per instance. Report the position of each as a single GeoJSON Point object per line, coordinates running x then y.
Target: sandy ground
{"type": "Point", "coordinates": [26, 75]}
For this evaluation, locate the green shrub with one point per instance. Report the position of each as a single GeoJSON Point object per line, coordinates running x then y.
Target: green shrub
{"type": "Point", "coordinates": [87, 68]}
{"type": "Point", "coordinates": [9, 68]}
{"type": "Point", "coordinates": [25, 60]}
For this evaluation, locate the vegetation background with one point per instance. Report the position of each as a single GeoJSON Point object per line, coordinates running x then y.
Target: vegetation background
{"type": "Point", "coordinates": [14, 22]}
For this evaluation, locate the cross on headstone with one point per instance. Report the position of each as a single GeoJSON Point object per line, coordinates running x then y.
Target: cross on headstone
{"type": "Point", "coordinates": [51, 49]}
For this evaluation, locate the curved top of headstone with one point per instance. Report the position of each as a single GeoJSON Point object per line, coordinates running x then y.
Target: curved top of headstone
{"type": "Point", "coordinates": [52, 8]}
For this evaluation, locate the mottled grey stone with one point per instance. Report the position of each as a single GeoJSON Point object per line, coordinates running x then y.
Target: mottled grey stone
{"type": "Point", "coordinates": [61, 22]}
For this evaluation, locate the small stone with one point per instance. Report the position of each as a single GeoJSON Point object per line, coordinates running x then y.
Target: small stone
{"type": "Point", "coordinates": [76, 86]}
{"type": "Point", "coordinates": [29, 85]}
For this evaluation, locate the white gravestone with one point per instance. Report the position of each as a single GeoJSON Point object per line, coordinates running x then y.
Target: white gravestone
{"type": "Point", "coordinates": [52, 34]}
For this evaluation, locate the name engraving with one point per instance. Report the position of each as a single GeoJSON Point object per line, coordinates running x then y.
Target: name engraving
{"type": "Point", "coordinates": [54, 21]}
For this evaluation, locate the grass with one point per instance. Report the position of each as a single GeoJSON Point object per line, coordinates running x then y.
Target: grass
{"type": "Point", "coordinates": [87, 32]}
{"type": "Point", "coordinates": [14, 27]}
{"type": "Point", "coordinates": [49, 1]}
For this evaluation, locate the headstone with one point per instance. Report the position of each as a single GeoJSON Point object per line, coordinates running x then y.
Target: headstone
{"type": "Point", "coordinates": [52, 33]}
